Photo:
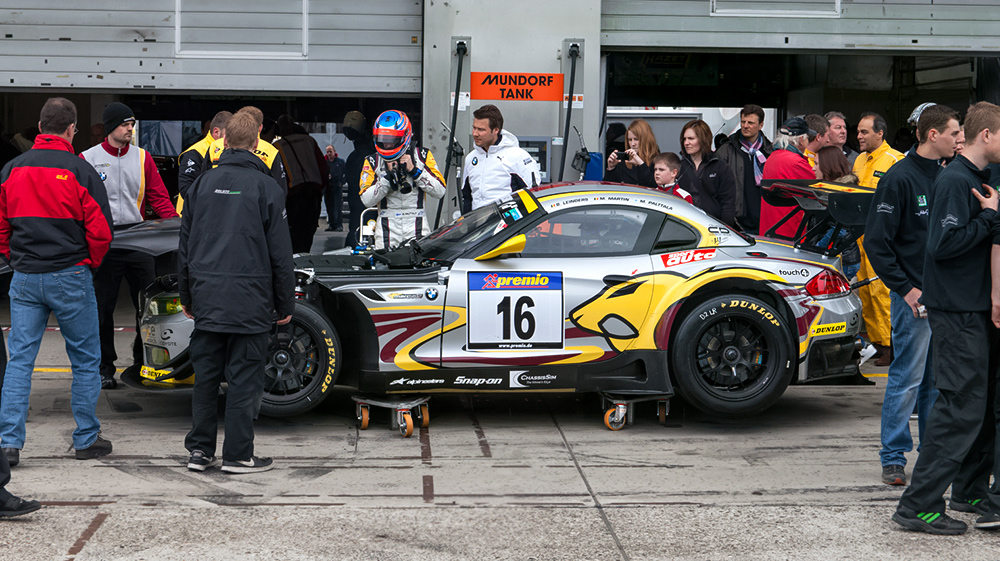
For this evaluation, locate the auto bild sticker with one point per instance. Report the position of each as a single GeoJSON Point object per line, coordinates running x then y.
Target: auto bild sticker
{"type": "Point", "coordinates": [515, 310]}
{"type": "Point", "coordinates": [684, 257]}
{"type": "Point", "coordinates": [830, 328]}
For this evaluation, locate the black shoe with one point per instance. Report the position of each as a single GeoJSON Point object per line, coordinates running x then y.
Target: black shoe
{"type": "Point", "coordinates": [329, 229]}
{"type": "Point", "coordinates": [13, 456]}
{"type": "Point", "coordinates": [975, 506]}
{"type": "Point", "coordinates": [200, 462]}
{"type": "Point", "coordinates": [253, 465]}
{"type": "Point", "coordinates": [100, 447]}
{"type": "Point", "coordinates": [15, 506]}
{"type": "Point", "coordinates": [990, 521]}
{"type": "Point", "coordinates": [929, 522]}
{"type": "Point", "coordinates": [108, 381]}
{"type": "Point", "coordinates": [338, 229]}
{"type": "Point", "coordinates": [893, 475]}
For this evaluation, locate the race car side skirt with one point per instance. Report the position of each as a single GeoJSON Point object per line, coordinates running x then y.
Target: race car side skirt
{"type": "Point", "coordinates": [634, 372]}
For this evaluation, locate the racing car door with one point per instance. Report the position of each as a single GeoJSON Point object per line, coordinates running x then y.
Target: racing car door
{"type": "Point", "coordinates": [571, 294]}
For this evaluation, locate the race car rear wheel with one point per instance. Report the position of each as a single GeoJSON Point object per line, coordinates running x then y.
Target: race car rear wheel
{"type": "Point", "coordinates": [732, 356]}
{"type": "Point", "coordinates": [302, 363]}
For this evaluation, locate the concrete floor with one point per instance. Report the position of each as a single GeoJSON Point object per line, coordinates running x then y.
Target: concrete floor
{"type": "Point", "coordinates": [491, 478]}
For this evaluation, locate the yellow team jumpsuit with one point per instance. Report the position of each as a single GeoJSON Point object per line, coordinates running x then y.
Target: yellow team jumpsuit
{"type": "Point", "coordinates": [875, 297]}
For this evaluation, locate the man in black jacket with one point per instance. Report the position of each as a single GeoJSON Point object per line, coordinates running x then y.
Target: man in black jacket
{"type": "Point", "coordinates": [896, 241]}
{"type": "Point", "coordinates": [745, 153]}
{"type": "Point", "coordinates": [964, 343]}
{"type": "Point", "coordinates": [235, 272]}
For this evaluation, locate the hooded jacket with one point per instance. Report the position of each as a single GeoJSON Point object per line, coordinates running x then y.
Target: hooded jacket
{"type": "Point", "coordinates": [235, 252]}
{"type": "Point", "coordinates": [500, 170]}
{"type": "Point", "coordinates": [53, 210]}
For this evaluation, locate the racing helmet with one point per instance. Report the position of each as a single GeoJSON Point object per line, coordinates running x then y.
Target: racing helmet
{"type": "Point", "coordinates": [392, 134]}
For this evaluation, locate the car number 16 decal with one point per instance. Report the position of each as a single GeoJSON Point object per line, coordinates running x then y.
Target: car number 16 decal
{"type": "Point", "coordinates": [521, 310]}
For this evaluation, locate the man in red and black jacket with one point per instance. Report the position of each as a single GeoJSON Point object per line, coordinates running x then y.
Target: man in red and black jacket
{"type": "Point", "coordinates": [55, 229]}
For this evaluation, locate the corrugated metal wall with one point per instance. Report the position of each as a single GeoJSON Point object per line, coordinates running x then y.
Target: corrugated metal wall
{"type": "Point", "coordinates": [954, 26]}
{"type": "Point", "coordinates": [353, 47]}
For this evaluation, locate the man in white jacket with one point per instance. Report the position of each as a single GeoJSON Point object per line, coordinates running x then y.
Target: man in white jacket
{"type": "Point", "coordinates": [497, 165]}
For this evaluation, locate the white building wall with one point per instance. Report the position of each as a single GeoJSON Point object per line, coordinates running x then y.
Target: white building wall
{"type": "Point", "coordinates": [902, 26]}
{"type": "Point", "coordinates": [346, 46]}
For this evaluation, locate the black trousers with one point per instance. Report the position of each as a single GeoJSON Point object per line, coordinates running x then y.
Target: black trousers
{"type": "Point", "coordinates": [4, 466]}
{"type": "Point", "coordinates": [138, 269]}
{"type": "Point", "coordinates": [303, 206]}
{"type": "Point", "coordinates": [238, 359]}
{"type": "Point", "coordinates": [334, 204]}
{"type": "Point", "coordinates": [957, 448]}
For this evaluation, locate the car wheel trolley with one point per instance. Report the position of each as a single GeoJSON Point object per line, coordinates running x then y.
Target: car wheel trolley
{"type": "Point", "coordinates": [404, 411]}
{"type": "Point", "coordinates": [620, 410]}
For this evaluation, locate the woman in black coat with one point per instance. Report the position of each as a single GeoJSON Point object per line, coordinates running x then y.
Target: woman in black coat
{"type": "Point", "coordinates": [642, 148]}
{"type": "Point", "coordinates": [706, 177]}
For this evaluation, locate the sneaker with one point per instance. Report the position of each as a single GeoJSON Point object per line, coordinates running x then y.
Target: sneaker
{"type": "Point", "coordinates": [100, 447]}
{"type": "Point", "coordinates": [893, 475]}
{"type": "Point", "coordinates": [15, 506]}
{"type": "Point", "coordinates": [929, 522]}
{"type": "Point", "coordinates": [989, 521]}
{"type": "Point", "coordinates": [867, 352]}
{"type": "Point", "coordinates": [13, 456]}
{"type": "Point", "coordinates": [200, 462]}
{"type": "Point", "coordinates": [253, 465]}
{"type": "Point", "coordinates": [975, 506]}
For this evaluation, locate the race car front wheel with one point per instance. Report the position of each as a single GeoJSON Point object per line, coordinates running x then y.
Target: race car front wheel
{"type": "Point", "coordinates": [732, 356]}
{"type": "Point", "coordinates": [302, 363]}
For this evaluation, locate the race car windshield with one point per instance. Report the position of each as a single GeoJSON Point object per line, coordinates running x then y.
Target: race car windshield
{"type": "Point", "coordinates": [449, 242]}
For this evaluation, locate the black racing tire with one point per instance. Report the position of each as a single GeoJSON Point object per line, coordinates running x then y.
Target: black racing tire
{"type": "Point", "coordinates": [303, 361]}
{"type": "Point", "coordinates": [733, 356]}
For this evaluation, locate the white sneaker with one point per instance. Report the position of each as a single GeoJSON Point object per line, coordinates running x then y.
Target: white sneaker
{"type": "Point", "coordinates": [867, 352]}
{"type": "Point", "coordinates": [253, 465]}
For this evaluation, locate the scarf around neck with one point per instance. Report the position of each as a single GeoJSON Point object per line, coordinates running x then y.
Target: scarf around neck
{"type": "Point", "coordinates": [756, 156]}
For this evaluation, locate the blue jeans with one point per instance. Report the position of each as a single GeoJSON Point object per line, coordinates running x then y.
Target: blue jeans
{"type": "Point", "coordinates": [69, 294]}
{"type": "Point", "coordinates": [910, 383]}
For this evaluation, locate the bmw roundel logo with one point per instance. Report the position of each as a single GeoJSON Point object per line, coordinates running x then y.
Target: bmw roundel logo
{"type": "Point", "coordinates": [431, 293]}
{"type": "Point", "coordinates": [475, 160]}
{"type": "Point", "coordinates": [104, 176]}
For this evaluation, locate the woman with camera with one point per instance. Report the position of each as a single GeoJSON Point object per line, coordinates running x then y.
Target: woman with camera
{"type": "Point", "coordinates": [709, 180]}
{"type": "Point", "coordinates": [634, 165]}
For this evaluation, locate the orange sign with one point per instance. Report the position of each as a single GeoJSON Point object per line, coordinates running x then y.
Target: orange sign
{"type": "Point", "coordinates": [516, 86]}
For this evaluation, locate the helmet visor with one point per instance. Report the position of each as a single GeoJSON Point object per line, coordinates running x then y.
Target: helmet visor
{"type": "Point", "coordinates": [389, 140]}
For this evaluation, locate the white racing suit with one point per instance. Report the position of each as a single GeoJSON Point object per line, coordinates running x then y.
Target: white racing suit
{"type": "Point", "coordinates": [401, 215]}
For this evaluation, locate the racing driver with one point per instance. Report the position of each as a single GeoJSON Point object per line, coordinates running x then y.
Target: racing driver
{"type": "Point", "coordinates": [398, 178]}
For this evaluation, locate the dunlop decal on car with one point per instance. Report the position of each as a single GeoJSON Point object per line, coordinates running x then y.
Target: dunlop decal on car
{"type": "Point", "coordinates": [830, 329]}
{"type": "Point", "coordinates": [331, 362]}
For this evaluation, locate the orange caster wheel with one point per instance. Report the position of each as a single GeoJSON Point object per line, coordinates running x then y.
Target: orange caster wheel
{"type": "Point", "coordinates": [614, 418]}
{"type": "Point", "coordinates": [425, 416]}
{"type": "Point", "coordinates": [363, 417]}
{"type": "Point", "coordinates": [405, 424]}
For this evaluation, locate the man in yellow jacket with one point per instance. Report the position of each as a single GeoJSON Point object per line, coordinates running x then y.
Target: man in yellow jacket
{"type": "Point", "coordinates": [265, 151]}
{"type": "Point", "coordinates": [192, 160]}
{"type": "Point", "coordinates": [876, 158]}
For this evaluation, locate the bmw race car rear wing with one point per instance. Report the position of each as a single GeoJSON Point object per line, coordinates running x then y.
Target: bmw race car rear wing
{"type": "Point", "coordinates": [833, 215]}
